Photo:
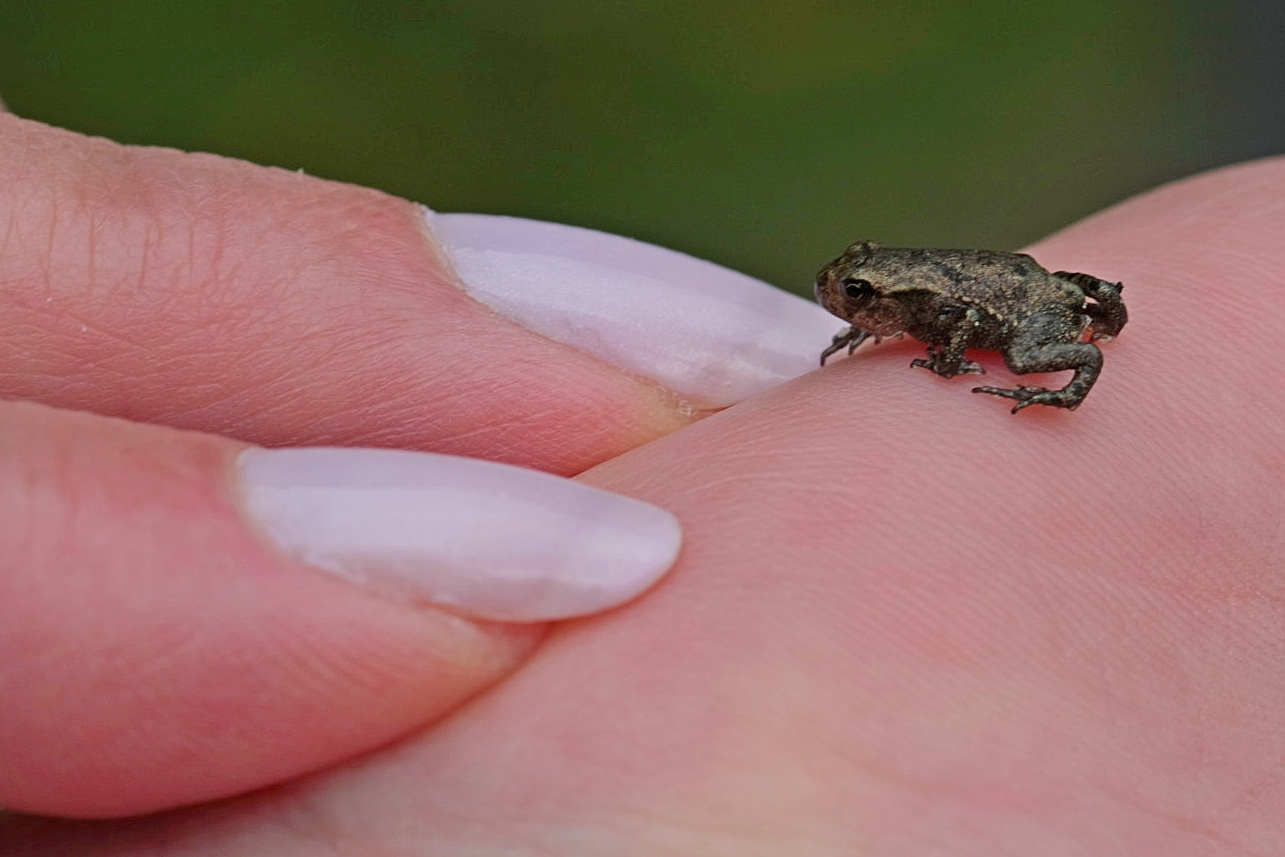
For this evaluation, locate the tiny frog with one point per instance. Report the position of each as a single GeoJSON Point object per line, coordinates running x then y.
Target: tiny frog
{"type": "Point", "coordinates": [953, 300]}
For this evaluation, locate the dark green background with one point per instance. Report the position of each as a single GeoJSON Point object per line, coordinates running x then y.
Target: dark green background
{"type": "Point", "coordinates": [765, 136]}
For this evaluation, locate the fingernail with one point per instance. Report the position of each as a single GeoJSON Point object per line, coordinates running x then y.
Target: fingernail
{"type": "Point", "coordinates": [709, 333]}
{"type": "Point", "coordinates": [489, 540]}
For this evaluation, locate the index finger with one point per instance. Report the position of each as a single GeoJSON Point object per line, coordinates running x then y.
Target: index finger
{"type": "Point", "coordinates": [212, 294]}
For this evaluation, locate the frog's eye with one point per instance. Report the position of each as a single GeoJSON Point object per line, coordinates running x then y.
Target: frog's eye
{"type": "Point", "coordinates": [856, 288]}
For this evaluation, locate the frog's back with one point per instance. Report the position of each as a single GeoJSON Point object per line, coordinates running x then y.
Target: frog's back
{"type": "Point", "coordinates": [1009, 285]}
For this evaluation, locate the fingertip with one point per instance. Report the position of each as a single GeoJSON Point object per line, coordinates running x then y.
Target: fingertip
{"type": "Point", "coordinates": [488, 540]}
{"type": "Point", "coordinates": [154, 652]}
{"type": "Point", "coordinates": [713, 335]}
{"type": "Point", "coordinates": [211, 294]}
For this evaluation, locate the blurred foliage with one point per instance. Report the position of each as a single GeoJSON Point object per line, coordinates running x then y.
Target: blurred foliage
{"type": "Point", "coordinates": [762, 135]}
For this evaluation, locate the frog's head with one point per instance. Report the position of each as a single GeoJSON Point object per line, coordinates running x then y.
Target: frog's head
{"type": "Point", "coordinates": [857, 288]}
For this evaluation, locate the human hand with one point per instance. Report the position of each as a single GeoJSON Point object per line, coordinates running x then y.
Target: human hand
{"type": "Point", "coordinates": [903, 622]}
{"type": "Point", "coordinates": [157, 650]}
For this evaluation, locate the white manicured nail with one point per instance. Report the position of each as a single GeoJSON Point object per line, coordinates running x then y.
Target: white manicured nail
{"type": "Point", "coordinates": [709, 333]}
{"type": "Point", "coordinates": [490, 540]}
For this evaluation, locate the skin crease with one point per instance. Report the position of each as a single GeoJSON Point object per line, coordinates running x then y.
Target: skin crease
{"type": "Point", "coordinates": [903, 622]}
{"type": "Point", "coordinates": [275, 308]}
{"type": "Point", "coordinates": [141, 624]}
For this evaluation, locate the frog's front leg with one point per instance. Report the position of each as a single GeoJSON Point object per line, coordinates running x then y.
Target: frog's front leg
{"type": "Point", "coordinates": [1032, 351]}
{"type": "Point", "coordinates": [850, 338]}
{"type": "Point", "coordinates": [1108, 314]}
{"type": "Point", "coordinates": [948, 360]}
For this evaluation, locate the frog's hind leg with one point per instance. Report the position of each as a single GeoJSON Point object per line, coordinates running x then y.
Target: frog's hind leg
{"type": "Point", "coordinates": [1032, 351]}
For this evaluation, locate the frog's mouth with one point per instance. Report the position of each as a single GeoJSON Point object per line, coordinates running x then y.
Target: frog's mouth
{"type": "Point", "coordinates": [835, 291]}
{"type": "Point", "coordinates": [848, 297]}
{"type": "Point", "coordinates": [826, 296]}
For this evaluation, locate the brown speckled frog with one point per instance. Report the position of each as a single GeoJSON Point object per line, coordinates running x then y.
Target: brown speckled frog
{"type": "Point", "coordinates": [953, 300]}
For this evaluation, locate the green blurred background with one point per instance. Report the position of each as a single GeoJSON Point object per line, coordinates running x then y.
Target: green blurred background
{"type": "Point", "coordinates": [765, 136]}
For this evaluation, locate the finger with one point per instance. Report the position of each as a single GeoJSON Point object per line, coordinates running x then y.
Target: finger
{"type": "Point", "coordinates": [894, 599]}
{"type": "Point", "coordinates": [162, 641]}
{"type": "Point", "coordinates": [207, 293]}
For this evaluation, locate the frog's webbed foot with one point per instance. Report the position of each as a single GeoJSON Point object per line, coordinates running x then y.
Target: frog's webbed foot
{"type": "Point", "coordinates": [850, 338]}
{"type": "Point", "coordinates": [941, 362]}
{"type": "Point", "coordinates": [1027, 396]}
